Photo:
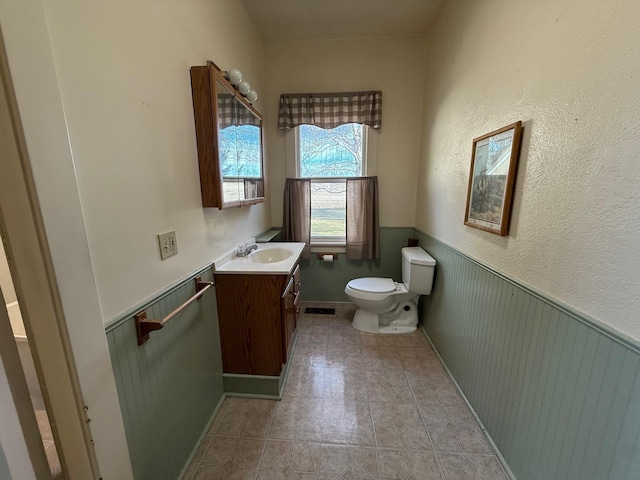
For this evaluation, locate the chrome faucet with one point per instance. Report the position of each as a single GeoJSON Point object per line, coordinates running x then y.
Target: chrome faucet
{"type": "Point", "coordinates": [245, 249]}
{"type": "Point", "coordinates": [251, 248]}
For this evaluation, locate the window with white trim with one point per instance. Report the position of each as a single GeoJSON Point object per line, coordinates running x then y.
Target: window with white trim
{"type": "Point", "coordinates": [328, 157]}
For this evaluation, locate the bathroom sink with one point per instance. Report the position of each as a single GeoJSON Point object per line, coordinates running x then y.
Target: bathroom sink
{"type": "Point", "coordinates": [275, 258]}
{"type": "Point", "coordinates": [270, 255]}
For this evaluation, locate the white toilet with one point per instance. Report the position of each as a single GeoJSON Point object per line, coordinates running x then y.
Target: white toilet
{"type": "Point", "coordinates": [385, 306]}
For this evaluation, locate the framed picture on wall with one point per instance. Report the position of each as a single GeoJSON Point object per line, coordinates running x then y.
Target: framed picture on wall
{"type": "Point", "coordinates": [494, 161]}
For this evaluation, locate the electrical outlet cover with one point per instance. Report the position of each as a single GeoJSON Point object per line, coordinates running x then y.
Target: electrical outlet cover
{"type": "Point", "coordinates": [168, 244]}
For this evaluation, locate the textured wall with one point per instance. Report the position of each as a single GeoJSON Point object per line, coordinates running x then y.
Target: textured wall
{"type": "Point", "coordinates": [569, 70]}
{"type": "Point", "coordinates": [123, 69]}
{"type": "Point", "coordinates": [393, 65]}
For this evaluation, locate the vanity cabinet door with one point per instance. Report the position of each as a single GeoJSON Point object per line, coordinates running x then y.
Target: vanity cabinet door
{"type": "Point", "coordinates": [257, 317]}
{"type": "Point", "coordinates": [250, 321]}
{"type": "Point", "coordinates": [289, 305]}
{"type": "Point", "coordinates": [296, 286]}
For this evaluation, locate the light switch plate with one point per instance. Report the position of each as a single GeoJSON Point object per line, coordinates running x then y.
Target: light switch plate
{"type": "Point", "coordinates": [168, 244]}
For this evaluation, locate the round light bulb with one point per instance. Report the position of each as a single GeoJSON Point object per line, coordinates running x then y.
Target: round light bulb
{"type": "Point", "coordinates": [252, 96]}
{"type": "Point", "coordinates": [234, 76]}
{"type": "Point", "coordinates": [244, 87]}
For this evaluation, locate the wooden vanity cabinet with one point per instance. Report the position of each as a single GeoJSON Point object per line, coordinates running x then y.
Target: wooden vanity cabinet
{"type": "Point", "coordinates": [258, 315]}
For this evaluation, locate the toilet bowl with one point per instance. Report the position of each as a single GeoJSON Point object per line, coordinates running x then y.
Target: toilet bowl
{"type": "Point", "coordinates": [385, 306]}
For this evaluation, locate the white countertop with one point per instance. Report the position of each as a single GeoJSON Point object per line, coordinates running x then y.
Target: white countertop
{"type": "Point", "coordinates": [231, 263]}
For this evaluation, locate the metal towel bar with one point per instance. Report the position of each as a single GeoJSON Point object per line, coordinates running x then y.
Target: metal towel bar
{"type": "Point", "coordinates": [144, 326]}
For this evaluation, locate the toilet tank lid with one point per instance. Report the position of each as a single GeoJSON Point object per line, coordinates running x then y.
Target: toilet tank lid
{"type": "Point", "coordinates": [418, 256]}
{"type": "Point", "coordinates": [373, 284]}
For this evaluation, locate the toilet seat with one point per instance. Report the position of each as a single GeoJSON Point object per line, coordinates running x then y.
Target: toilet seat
{"type": "Point", "coordinates": [373, 288]}
{"type": "Point", "coordinates": [373, 284]}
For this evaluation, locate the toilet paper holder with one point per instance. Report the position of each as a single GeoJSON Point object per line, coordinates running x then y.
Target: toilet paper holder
{"type": "Point", "coordinates": [322, 255]}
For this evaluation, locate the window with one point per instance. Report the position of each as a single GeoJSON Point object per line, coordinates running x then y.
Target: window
{"type": "Point", "coordinates": [327, 157]}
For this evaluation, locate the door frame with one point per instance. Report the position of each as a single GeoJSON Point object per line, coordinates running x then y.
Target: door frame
{"type": "Point", "coordinates": [35, 283]}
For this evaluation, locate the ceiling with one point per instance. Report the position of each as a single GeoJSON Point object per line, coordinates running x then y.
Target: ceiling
{"type": "Point", "coordinates": [294, 20]}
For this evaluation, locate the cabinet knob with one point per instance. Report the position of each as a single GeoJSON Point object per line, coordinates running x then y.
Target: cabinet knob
{"type": "Point", "coordinates": [298, 310]}
{"type": "Point", "coordinates": [298, 283]}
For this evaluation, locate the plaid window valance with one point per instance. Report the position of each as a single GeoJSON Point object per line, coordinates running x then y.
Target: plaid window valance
{"type": "Point", "coordinates": [329, 110]}
{"type": "Point", "coordinates": [231, 112]}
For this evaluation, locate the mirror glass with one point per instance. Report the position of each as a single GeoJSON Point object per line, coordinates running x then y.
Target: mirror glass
{"type": "Point", "coordinates": [239, 148]}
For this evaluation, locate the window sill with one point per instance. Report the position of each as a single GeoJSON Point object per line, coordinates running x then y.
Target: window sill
{"type": "Point", "coordinates": [328, 248]}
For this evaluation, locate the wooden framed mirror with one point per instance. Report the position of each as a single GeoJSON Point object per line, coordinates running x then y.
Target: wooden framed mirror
{"type": "Point", "coordinates": [229, 135]}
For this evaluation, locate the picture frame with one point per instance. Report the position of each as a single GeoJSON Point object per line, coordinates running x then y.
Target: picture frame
{"type": "Point", "coordinates": [494, 163]}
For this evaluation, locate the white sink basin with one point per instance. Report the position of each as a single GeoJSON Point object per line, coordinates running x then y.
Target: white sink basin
{"type": "Point", "coordinates": [270, 258]}
{"type": "Point", "coordinates": [270, 255]}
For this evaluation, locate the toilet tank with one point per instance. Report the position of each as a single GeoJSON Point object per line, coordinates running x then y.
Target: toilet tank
{"type": "Point", "coordinates": [417, 270]}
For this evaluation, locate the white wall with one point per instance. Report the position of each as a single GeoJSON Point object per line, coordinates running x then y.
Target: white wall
{"type": "Point", "coordinates": [393, 65]}
{"type": "Point", "coordinates": [569, 70]}
{"type": "Point", "coordinates": [123, 69]}
{"type": "Point", "coordinates": [125, 169]}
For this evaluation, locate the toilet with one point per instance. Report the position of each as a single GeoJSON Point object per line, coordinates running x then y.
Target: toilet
{"type": "Point", "coordinates": [385, 306]}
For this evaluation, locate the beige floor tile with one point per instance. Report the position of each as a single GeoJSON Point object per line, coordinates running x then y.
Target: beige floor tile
{"type": "Point", "coordinates": [270, 475]}
{"type": "Point", "coordinates": [209, 472]}
{"type": "Point", "coordinates": [423, 465]}
{"type": "Point", "coordinates": [276, 455]}
{"type": "Point", "coordinates": [241, 474]}
{"type": "Point", "coordinates": [247, 452]}
{"type": "Point", "coordinates": [303, 476]}
{"type": "Point", "coordinates": [283, 428]}
{"type": "Point", "coordinates": [433, 415]}
{"type": "Point", "coordinates": [334, 460]}
{"type": "Point", "coordinates": [486, 467]}
{"type": "Point", "coordinates": [305, 456]}
{"type": "Point", "coordinates": [219, 451]}
{"type": "Point", "coordinates": [363, 462]}
{"type": "Point", "coordinates": [345, 362]}
{"type": "Point", "coordinates": [444, 438]}
{"type": "Point", "coordinates": [392, 464]}
{"type": "Point", "coordinates": [472, 440]}
{"type": "Point", "coordinates": [411, 340]}
{"type": "Point", "coordinates": [204, 444]}
{"type": "Point", "coordinates": [231, 452]}
{"type": "Point", "coordinates": [355, 407]}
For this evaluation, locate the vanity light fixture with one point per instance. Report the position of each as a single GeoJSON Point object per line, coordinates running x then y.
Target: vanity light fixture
{"type": "Point", "coordinates": [244, 87]}
{"type": "Point", "coordinates": [252, 96]}
{"type": "Point", "coordinates": [233, 75]}
{"type": "Point", "coordinates": [235, 78]}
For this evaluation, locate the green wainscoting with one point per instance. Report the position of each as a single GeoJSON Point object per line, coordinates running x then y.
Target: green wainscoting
{"type": "Point", "coordinates": [258, 386]}
{"type": "Point", "coordinates": [4, 468]}
{"type": "Point", "coordinates": [170, 386]}
{"type": "Point", "coordinates": [325, 282]}
{"type": "Point", "coordinates": [558, 394]}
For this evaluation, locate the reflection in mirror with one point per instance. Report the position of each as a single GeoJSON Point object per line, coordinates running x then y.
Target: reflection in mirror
{"type": "Point", "coordinates": [239, 144]}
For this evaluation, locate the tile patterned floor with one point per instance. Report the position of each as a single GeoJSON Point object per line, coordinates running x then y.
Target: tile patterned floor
{"type": "Point", "coordinates": [354, 406]}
